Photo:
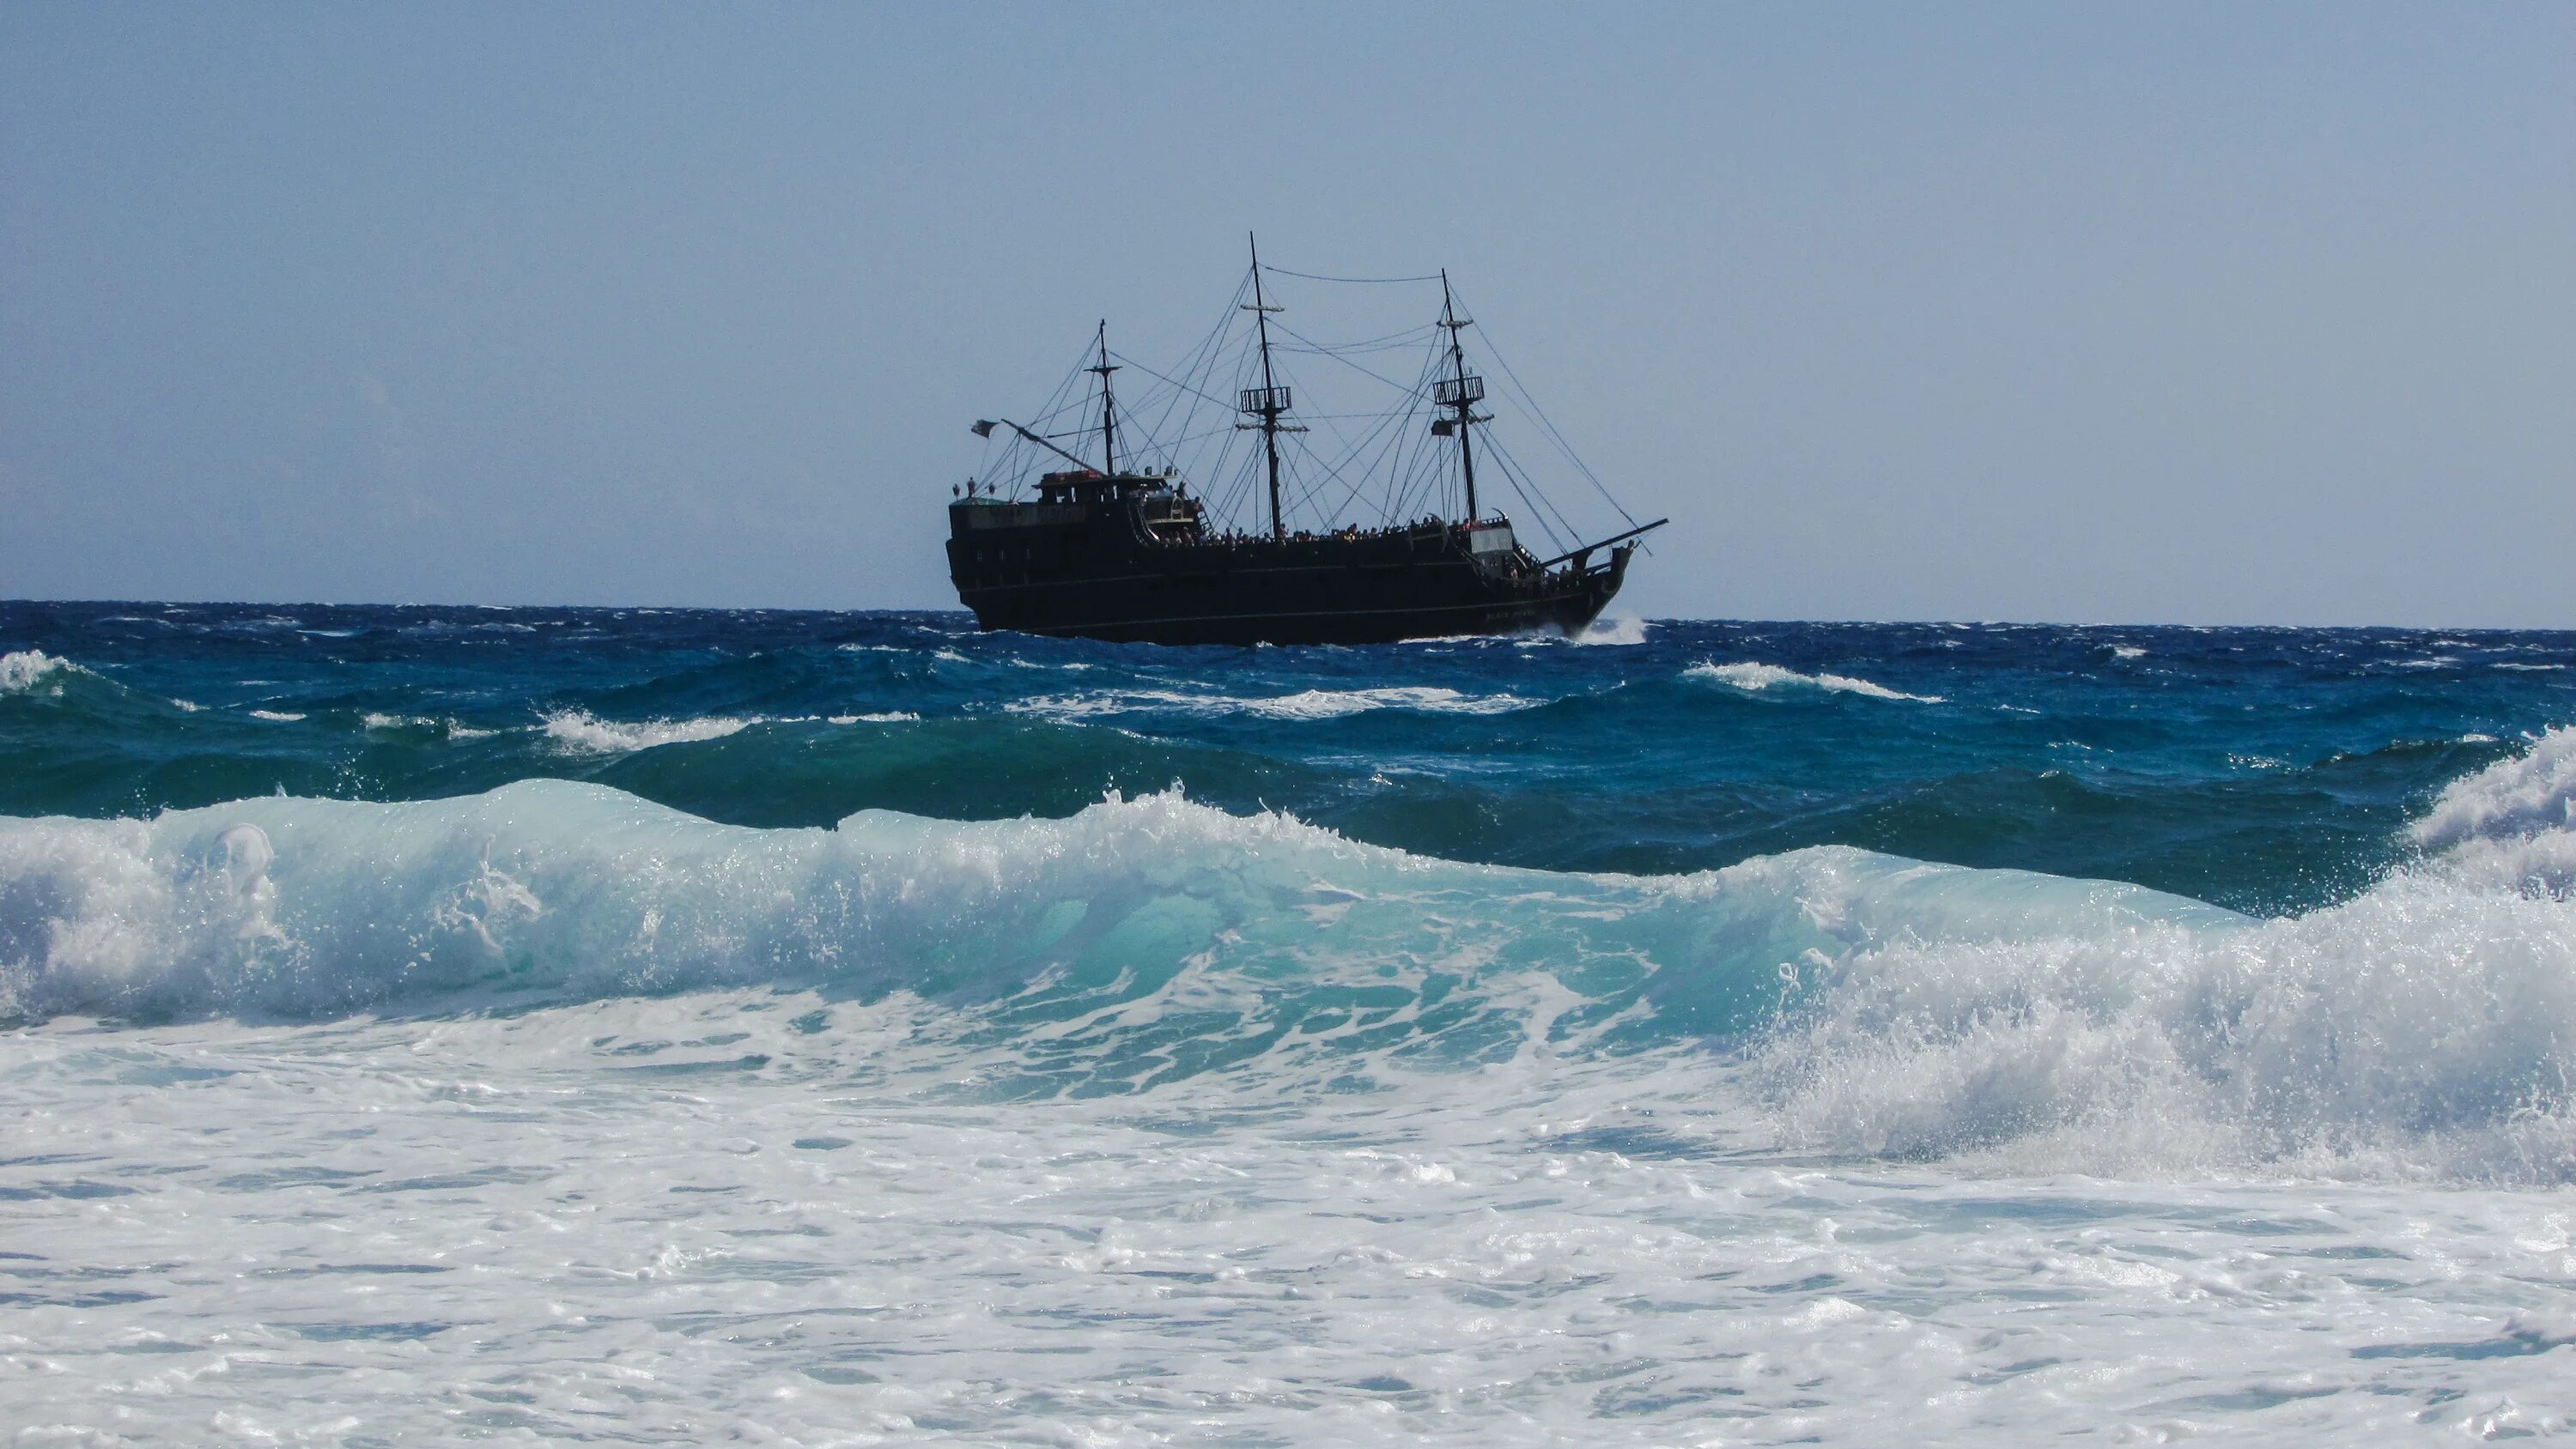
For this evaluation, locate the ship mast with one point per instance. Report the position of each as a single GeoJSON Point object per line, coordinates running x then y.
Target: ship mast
{"type": "Point", "coordinates": [1269, 400]}
{"type": "Point", "coordinates": [1108, 419]}
{"type": "Point", "coordinates": [1462, 390]}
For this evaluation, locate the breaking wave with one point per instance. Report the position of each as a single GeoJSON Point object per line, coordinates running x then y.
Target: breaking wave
{"type": "Point", "coordinates": [2512, 825]}
{"type": "Point", "coordinates": [1623, 630]}
{"type": "Point", "coordinates": [33, 671]}
{"type": "Point", "coordinates": [1305, 704]}
{"type": "Point", "coordinates": [1755, 678]}
{"type": "Point", "coordinates": [1868, 1004]}
{"type": "Point", "coordinates": [579, 732]}
{"type": "Point", "coordinates": [2427, 1027]}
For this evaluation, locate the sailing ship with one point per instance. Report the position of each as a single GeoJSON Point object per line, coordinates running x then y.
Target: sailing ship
{"type": "Point", "coordinates": [1123, 550]}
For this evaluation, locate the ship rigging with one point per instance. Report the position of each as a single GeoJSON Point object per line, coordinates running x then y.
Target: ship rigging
{"type": "Point", "coordinates": [1124, 550]}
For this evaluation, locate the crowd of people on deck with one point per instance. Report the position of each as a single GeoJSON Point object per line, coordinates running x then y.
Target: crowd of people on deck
{"type": "Point", "coordinates": [1348, 533]}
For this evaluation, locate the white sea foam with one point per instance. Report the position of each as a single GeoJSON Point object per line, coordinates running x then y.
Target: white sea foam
{"type": "Point", "coordinates": [1094, 706]}
{"type": "Point", "coordinates": [2419, 1030]}
{"type": "Point", "coordinates": [1070, 666]}
{"type": "Point", "coordinates": [1336, 703]}
{"type": "Point", "coordinates": [1307, 704]}
{"type": "Point", "coordinates": [2127, 651]}
{"type": "Point", "coordinates": [2427, 1027]}
{"type": "Point", "coordinates": [2511, 825]}
{"type": "Point", "coordinates": [895, 716]}
{"type": "Point", "coordinates": [276, 716]}
{"type": "Point", "coordinates": [2431, 1022]}
{"type": "Point", "coordinates": [1623, 630]}
{"type": "Point", "coordinates": [580, 732]}
{"type": "Point", "coordinates": [713, 1218]}
{"type": "Point", "coordinates": [1755, 677]}
{"type": "Point", "coordinates": [33, 671]}
{"type": "Point", "coordinates": [446, 728]}
{"type": "Point", "coordinates": [1056, 1131]}
{"type": "Point", "coordinates": [605, 894]}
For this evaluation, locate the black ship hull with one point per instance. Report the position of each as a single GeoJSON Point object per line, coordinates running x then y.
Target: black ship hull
{"type": "Point", "coordinates": [1128, 555]}
{"type": "Point", "coordinates": [1101, 570]}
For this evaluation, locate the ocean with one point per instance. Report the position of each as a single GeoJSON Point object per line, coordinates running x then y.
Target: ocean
{"type": "Point", "coordinates": [682, 1027]}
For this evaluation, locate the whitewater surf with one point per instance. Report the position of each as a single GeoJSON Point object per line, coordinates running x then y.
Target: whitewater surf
{"type": "Point", "coordinates": [538, 1024]}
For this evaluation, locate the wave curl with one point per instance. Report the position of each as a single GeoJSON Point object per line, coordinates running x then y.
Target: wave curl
{"type": "Point", "coordinates": [1870, 1004]}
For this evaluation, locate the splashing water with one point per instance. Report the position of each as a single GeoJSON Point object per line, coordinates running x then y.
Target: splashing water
{"type": "Point", "coordinates": [1604, 1068]}
{"type": "Point", "coordinates": [1756, 677]}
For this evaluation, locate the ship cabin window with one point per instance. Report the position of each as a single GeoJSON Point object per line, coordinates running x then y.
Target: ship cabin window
{"type": "Point", "coordinates": [1086, 488]}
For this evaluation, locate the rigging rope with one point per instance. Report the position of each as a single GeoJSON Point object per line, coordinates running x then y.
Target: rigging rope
{"type": "Point", "coordinates": [1311, 277]}
{"type": "Point", "coordinates": [1174, 381]}
{"type": "Point", "coordinates": [1559, 438]}
{"type": "Point", "coordinates": [1364, 446]}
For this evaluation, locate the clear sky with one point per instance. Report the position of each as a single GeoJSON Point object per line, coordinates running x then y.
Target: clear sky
{"type": "Point", "coordinates": [2227, 313]}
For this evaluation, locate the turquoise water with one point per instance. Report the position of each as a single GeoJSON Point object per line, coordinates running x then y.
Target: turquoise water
{"type": "Point", "coordinates": [674, 1025]}
{"type": "Point", "coordinates": [2265, 770]}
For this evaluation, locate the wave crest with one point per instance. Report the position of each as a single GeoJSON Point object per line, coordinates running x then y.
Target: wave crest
{"type": "Point", "coordinates": [1620, 630]}
{"type": "Point", "coordinates": [1753, 678]}
{"type": "Point", "coordinates": [33, 671]}
{"type": "Point", "coordinates": [1870, 1004]}
{"type": "Point", "coordinates": [579, 732]}
{"type": "Point", "coordinates": [1305, 704]}
{"type": "Point", "coordinates": [2427, 1027]}
{"type": "Point", "coordinates": [2511, 825]}
{"type": "Point", "coordinates": [2418, 1029]}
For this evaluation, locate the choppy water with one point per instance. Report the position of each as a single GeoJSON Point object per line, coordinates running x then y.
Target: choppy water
{"type": "Point", "coordinates": [543, 1025]}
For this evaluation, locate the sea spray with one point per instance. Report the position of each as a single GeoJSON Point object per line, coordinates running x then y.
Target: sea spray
{"type": "Point", "coordinates": [2428, 1026]}
{"type": "Point", "coordinates": [1882, 1006]}
{"type": "Point", "coordinates": [1665, 1058]}
{"type": "Point", "coordinates": [1755, 677]}
{"type": "Point", "coordinates": [2511, 825]}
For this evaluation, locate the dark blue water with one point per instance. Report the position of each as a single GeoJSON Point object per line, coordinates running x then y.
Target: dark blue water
{"type": "Point", "coordinates": [2268, 770]}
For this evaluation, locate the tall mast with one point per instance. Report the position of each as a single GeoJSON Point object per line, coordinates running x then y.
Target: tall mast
{"type": "Point", "coordinates": [1461, 391]}
{"type": "Point", "coordinates": [1108, 418]}
{"type": "Point", "coordinates": [1272, 399]}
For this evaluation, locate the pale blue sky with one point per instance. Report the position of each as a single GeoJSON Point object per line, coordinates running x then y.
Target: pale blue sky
{"type": "Point", "coordinates": [2216, 313]}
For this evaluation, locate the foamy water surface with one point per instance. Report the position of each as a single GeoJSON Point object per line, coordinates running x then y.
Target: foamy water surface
{"type": "Point", "coordinates": [840, 1030]}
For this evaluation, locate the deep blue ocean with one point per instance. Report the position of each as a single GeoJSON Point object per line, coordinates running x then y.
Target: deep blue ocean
{"type": "Point", "coordinates": [667, 1025]}
{"type": "Point", "coordinates": [2267, 770]}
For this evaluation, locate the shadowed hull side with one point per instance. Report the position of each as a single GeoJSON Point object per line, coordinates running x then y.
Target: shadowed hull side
{"type": "Point", "coordinates": [1096, 579]}
{"type": "Point", "coordinates": [1034, 609]}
